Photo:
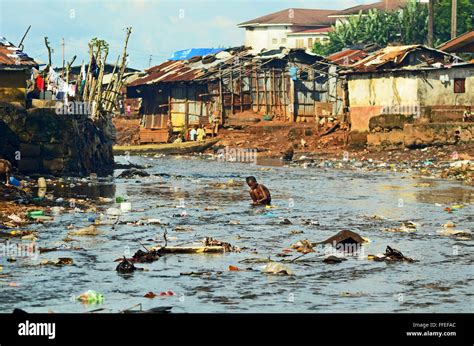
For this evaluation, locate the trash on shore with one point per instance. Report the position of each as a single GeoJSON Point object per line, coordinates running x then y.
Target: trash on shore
{"type": "Point", "coordinates": [277, 268]}
{"type": "Point", "coordinates": [157, 310]}
{"type": "Point", "coordinates": [145, 257]}
{"type": "Point", "coordinates": [86, 231]}
{"type": "Point", "coordinates": [126, 266]}
{"type": "Point", "coordinates": [59, 248]}
{"type": "Point", "coordinates": [406, 227]}
{"type": "Point", "coordinates": [61, 261]}
{"type": "Point", "coordinates": [391, 255]}
{"type": "Point", "coordinates": [334, 259]}
{"type": "Point", "coordinates": [464, 234]}
{"type": "Point", "coordinates": [133, 173]}
{"type": "Point", "coordinates": [344, 237]}
{"type": "Point", "coordinates": [91, 297]}
{"type": "Point", "coordinates": [303, 246]}
{"type": "Point", "coordinates": [202, 273]}
{"type": "Point", "coordinates": [17, 233]}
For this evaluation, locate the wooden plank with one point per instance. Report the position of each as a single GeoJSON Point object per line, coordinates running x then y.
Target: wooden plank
{"type": "Point", "coordinates": [188, 249]}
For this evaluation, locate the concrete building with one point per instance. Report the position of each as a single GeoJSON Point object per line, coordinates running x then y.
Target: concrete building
{"type": "Point", "coordinates": [290, 28]}
{"type": "Point", "coordinates": [300, 27]}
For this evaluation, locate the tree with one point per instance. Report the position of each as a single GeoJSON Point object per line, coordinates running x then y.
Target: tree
{"type": "Point", "coordinates": [408, 25]}
{"type": "Point", "coordinates": [442, 19]}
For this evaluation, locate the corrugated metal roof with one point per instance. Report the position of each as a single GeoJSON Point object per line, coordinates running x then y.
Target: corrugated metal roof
{"type": "Point", "coordinates": [12, 57]}
{"type": "Point", "coordinates": [181, 71]}
{"type": "Point", "coordinates": [393, 57]}
{"type": "Point", "coordinates": [347, 57]}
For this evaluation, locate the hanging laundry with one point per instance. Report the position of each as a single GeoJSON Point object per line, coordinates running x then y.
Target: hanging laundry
{"type": "Point", "coordinates": [293, 73]}
{"type": "Point", "coordinates": [83, 72]}
{"type": "Point", "coordinates": [40, 83]}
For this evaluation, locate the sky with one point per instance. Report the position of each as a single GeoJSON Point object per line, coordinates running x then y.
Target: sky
{"type": "Point", "coordinates": [159, 27]}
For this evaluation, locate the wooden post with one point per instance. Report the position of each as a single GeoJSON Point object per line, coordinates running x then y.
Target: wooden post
{"type": "Point", "coordinates": [231, 91]}
{"type": "Point", "coordinates": [186, 111]}
{"type": "Point", "coordinates": [430, 23]}
{"type": "Point", "coordinates": [454, 18]}
{"type": "Point", "coordinates": [221, 98]}
{"type": "Point", "coordinates": [240, 89]}
{"type": "Point", "coordinates": [265, 90]}
{"type": "Point", "coordinates": [316, 116]}
{"type": "Point", "coordinates": [257, 89]}
{"type": "Point", "coordinates": [283, 80]}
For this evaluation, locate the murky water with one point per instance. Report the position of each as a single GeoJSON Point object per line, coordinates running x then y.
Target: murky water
{"type": "Point", "coordinates": [442, 280]}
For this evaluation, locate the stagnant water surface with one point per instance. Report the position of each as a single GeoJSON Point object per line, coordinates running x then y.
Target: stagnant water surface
{"type": "Point", "coordinates": [441, 280]}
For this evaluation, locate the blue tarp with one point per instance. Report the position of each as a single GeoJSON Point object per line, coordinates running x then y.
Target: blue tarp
{"type": "Point", "coordinates": [191, 52]}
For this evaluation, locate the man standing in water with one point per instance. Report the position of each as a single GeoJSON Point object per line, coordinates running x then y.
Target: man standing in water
{"type": "Point", "coordinates": [259, 193]}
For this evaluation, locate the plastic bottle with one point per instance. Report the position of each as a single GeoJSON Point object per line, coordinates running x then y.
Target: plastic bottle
{"type": "Point", "coordinates": [33, 213]}
{"type": "Point", "coordinates": [119, 199]}
{"type": "Point", "coordinates": [42, 183]}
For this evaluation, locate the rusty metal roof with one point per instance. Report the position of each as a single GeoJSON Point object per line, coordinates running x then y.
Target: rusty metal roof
{"type": "Point", "coordinates": [13, 58]}
{"type": "Point", "coordinates": [395, 57]}
{"type": "Point", "coordinates": [183, 71]}
{"type": "Point", "coordinates": [169, 71]}
{"type": "Point", "coordinates": [347, 56]}
{"type": "Point", "coordinates": [462, 44]}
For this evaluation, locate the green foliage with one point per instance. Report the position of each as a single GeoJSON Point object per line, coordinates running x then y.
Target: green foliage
{"type": "Point", "coordinates": [442, 19]}
{"type": "Point", "coordinates": [408, 25]}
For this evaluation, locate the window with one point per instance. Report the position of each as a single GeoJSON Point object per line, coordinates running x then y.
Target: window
{"type": "Point", "coordinates": [310, 42]}
{"type": "Point", "coordinates": [299, 43]}
{"type": "Point", "coordinates": [274, 41]}
{"type": "Point", "coordinates": [283, 40]}
{"type": "Point", "coordinates": [459, 85]}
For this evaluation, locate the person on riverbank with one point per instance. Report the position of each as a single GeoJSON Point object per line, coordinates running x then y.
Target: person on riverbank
{"type": "Point", "coordinates": [192, 134]}
{"type": "Point", "coordinates": [258, 192]}
{"type": "Point", "coordinates": [6, 169]}
{"type": "Point", "coordinates": [201, 133]}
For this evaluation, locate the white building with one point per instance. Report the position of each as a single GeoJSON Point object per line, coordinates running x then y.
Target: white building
{"type": "Point", "coordinates": [300, 27]}
{"type": "Point", "coordinates": [291, 28]}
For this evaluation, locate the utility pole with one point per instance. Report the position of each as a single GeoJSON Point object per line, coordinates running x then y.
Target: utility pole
{"type": "Point", "coordinates": [149, 61]}
{"type": "Point", "coordinates": [62, 44]}
{"type": "Point", "coordinates": [454, 19]}
{"type": "Point", "coordinates": [430, 23]}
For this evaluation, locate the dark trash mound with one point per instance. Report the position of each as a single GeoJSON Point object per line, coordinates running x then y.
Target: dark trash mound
{"type": "Point", "coordinates": [133, 173]}
{"type": "Point", "coordinates": [12, 193]}
{"type": "Point", "coordinates": [344, 237]}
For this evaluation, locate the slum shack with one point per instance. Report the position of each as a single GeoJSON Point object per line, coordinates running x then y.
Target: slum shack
{"type": "Point", "coordinates": [15, 70]}
{"type": "Point", "coordinates": [394, 91]}
{"type": "Point", "coordinates": [285, 85]}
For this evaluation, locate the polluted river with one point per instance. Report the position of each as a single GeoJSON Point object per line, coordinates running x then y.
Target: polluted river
{"type": "Point", "coordinates": [191, 198]}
